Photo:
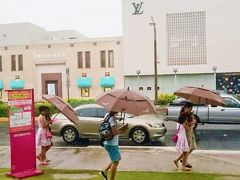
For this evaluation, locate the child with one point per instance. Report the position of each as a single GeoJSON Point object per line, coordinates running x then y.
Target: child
{"type": "Point", "coordinates": [42, 138]}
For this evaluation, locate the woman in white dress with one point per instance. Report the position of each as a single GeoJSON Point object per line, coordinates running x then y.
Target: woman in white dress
{"type": "Point", "coordinates": [182, 145]}
{"type": "Point", "coordinates": [42, 137]}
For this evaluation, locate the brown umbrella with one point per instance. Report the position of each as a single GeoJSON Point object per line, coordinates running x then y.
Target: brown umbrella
{"type": "Point", "coordinates": [63, 107]}
{"type": "Point", "coordinates": [200, 95]}
{"type": "Point", "coordinates": [126, 101]}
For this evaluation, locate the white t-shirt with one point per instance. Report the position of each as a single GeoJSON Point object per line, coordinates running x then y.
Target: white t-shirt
{"type": "Point", "coordinates": [115, 139]}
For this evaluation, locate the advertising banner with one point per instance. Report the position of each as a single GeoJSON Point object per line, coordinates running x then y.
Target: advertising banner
{"type": "Point", "coordinates": [22, 133]}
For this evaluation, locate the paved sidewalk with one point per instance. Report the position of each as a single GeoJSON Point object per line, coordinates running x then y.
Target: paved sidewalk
{"type": "Point", "coordinates": [137, 159]}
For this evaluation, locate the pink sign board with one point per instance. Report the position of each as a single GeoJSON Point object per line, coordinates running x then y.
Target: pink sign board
{"type": "Point", "coordinates": [22, 133]}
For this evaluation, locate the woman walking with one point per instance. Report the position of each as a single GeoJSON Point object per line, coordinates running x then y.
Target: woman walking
{"type": "Point", "coordinates": [182, 145]}
{"type": "Point", "coordinates": [43, 137]}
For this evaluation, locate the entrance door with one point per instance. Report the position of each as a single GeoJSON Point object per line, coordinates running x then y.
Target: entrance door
{"type": "Point", "coordinates": [51, 87]}
{"type": "Point", "coordinates": [52, 84]}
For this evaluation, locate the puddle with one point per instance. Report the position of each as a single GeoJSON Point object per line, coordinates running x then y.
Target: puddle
{"type": "Point", "coordinates": [74, 176]}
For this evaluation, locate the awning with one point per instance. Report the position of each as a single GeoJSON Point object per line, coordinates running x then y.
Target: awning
{"type": "Point", "coordinates": [17, 84]}
{"type": "Point", "coordinates": [1, 85]}
{"type": "Point", "coordinates": [84, 82]}
{"type": "Point", "coordinates": [107, 81]}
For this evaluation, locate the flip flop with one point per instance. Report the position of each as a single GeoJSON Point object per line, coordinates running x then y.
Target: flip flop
{"type": "Point", "coordinates": [38, 158]}
{"type": "Point", "coordinates": [175, 162]}
{"type": "Point", "coordinates": [44, 163]}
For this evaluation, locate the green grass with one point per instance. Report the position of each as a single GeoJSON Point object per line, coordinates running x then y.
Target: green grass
{"type": "Point", "coordinates": [48, 175]}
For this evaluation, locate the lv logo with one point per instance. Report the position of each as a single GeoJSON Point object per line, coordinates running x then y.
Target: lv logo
{"type": "Point", "coordinates": [137, 8]}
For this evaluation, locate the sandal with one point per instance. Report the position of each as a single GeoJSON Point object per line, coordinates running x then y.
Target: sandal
{"type": "Point", "coordinates": [186, 169]}
{"type": "Point", "coordinates": [175, 162]}
{"type": "Point", "coordinates": [189, 166]}
{"type": "Point", "coordinates": [44, 163]}
{"type": "Point", "coordinates": [38, 157]}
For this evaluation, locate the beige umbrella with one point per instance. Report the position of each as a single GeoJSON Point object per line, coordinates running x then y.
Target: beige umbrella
{"type": "Point", "coordinates": [200, 95]}
{"type": "Point", "coordinates": [63, 107]}
{"type": "Point", "coordinates": [126, 101]}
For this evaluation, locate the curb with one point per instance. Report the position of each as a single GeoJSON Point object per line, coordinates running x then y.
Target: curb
{"type": "Point", "coordinates": [168, 148]}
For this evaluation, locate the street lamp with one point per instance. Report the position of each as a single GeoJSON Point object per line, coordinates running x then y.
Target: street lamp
{"type": "Point", "coordinates": [175, 70]}
{"type": "Point", "coordinates": [214, 76]}
{"type": "Point", "coordinates": [138, 74]}
{"type": "Point", "coordinates": [155, 59]}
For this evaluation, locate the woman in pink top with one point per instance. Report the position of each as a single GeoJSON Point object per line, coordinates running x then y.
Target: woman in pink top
{"type": "Point", "coordinates": [43, 137]}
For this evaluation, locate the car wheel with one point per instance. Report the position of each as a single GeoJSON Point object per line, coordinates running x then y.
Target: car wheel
{"type": "Point", "coordinates": [139, 135]}
{"type": "Point", "coordinates": [69, 135]}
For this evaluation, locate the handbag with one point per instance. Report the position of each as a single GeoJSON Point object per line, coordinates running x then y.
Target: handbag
{"type": "Point", "coordinates": [175, 136]}
{"type": "Point", "coordinates": [48, 134]}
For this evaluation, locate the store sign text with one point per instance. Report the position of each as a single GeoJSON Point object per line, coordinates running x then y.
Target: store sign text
{"type": "Point", "coordinates": [49, 55]}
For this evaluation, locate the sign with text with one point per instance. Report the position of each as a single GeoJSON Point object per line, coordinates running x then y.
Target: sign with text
{"type": "Point", "coordinates": [22, 133]}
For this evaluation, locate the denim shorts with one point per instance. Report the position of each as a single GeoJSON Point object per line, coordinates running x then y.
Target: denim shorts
{"type": "Point", "coordinates": [113, 152]}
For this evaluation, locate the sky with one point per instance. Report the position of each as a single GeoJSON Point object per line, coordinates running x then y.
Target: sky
{"type": "Point", "coordinates": [93, 18]}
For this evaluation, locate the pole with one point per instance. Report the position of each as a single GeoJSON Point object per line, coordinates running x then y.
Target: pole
{"type": "Point", "coordinates": [67, 82]}
{"type": "Point", "coordinates": [155, 64]}
{"type": "Point", "coordinates": [175, 81]}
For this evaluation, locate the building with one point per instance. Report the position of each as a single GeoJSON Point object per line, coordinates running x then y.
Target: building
{"type": "Point", "coordinates": [197, 44]}
{"type": "Point", "coordinates": [52, 61]}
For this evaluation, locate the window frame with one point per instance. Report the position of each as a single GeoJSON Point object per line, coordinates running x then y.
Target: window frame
{"type": "Point", "coordinates": [88, 95]}
{"type": "Point", "coordinates": [87, 59]}
{"type": "Point", "coordinates": [13, 63]}
{"type": "Point", "coordinates": [80, 60]}
{"type": "Point", "coordinates": [20, 62]}
{"type": "Point", "coordinates": [103, 59]}
{"type": "Point", "coordinates": [110, 58]}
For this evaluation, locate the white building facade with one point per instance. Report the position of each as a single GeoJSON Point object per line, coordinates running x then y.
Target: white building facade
{"type": "Point", "coordinates": [197, 44]}
{"type": "Point", "coordinates": [63, 63]}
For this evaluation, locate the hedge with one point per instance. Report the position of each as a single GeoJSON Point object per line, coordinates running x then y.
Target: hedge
{"type": "Point", "coordinates": [165, 98]}
{"type": "Point", "coordinates": [72, 102]}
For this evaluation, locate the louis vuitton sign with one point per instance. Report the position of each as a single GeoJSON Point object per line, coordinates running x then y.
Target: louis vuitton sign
{"type": "Point", "coordinates": [137, 8]}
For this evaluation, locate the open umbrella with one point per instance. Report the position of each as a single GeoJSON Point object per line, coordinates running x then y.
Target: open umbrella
{"type": "Point", "coordinates": [126, 101]}
{"type": "Point", "coordinates": [199, 95]}
{"type": "Point", "coordinates": [63, 107]}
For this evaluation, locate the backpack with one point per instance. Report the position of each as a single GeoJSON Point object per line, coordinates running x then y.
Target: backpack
{"type": "Point", "coordinates": [105, 131]}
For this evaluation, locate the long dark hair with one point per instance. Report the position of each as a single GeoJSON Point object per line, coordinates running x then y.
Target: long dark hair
{"type": "Point", "coordinates": [184, 116]}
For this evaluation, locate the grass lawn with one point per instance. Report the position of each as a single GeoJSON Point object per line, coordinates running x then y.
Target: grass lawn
{"type": "Point", "coordinates": [50, 174]}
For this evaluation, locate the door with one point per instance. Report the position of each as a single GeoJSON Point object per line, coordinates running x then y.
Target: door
{"type": "Point", "coordinates": [52, 84]}
{"type": "Point", "coordinates": [229, 113]}
{"type": "Point", "coordinates": [51, 87]}
{"type": "Point", "coordinates": [90, 120]}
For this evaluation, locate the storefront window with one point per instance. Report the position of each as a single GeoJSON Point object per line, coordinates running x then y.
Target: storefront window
{"type": "Point", "coordinates": [85, 92]}
{"type": "Point", "coordinates": [107, 89]}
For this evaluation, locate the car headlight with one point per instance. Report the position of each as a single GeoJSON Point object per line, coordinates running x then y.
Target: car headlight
{"type": "Point", "coordinates": [156, 125]}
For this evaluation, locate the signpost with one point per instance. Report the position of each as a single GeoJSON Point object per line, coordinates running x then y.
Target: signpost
{"type": "Point", "coordinates": [22, 133]}
{"type": "Point", "coordinates": [67, 82]}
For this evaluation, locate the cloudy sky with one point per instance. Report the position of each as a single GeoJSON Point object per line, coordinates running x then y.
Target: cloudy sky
{"type": "Point", "coordinates": [93, 18]}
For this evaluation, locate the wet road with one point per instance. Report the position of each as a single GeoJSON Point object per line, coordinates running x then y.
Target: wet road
{"type": "Point", "coordinates": [209, 137]}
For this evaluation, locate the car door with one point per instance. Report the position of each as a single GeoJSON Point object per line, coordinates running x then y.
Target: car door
{"type": "Point", "coordinates": [229, 113]}
{"type": "Point", "coordinates": [89, 121]}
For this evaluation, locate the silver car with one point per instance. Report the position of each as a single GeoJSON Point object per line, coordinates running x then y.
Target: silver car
{"type": "Point", "coordinates": [140, 129]}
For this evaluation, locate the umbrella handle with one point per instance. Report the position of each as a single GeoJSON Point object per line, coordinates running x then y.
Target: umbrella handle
{"type": "Point", "coordinates": [55, 116]}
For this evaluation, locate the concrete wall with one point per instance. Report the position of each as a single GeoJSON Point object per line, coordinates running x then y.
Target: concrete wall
{"type": "Point", "coordinates": [167, 82]}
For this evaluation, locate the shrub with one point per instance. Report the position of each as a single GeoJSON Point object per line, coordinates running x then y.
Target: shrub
{"type": "Point", "coordinates": [164, 99]}
{"type": "Point", "coordinates": [3, 110]}
{"type": "Point", "coordinates": [53, 109]}
{"type": "Point", "coordinates": [76, 102]}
